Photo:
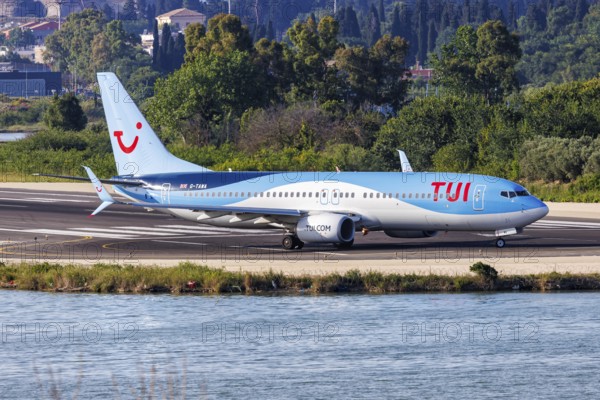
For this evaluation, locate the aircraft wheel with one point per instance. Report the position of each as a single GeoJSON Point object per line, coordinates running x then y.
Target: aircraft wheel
{"type": "Point", "coordinates": [500, 243]}
{"type": "Point", "coordinates": [288, 242]}
{"type": "Point", "coordinates": [345, 245]}
{"type": "Point", "coordinates": [299, 243]}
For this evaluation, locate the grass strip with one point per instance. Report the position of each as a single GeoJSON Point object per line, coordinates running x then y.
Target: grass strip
{"type": "Point", "coordinates": [192, 278]}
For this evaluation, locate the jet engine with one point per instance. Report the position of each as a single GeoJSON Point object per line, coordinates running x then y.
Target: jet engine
{"type": "Point", "coordinates": [326, 228]}
{"type": "Point", "coordinates": [411, 234]}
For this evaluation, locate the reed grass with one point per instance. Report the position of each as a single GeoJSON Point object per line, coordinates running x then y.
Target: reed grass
{"type": "Point", "coordinates": [192, 278]}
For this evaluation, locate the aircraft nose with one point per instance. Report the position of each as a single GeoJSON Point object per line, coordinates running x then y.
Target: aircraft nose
{"type": "Point", "coordinates": [535, 213]}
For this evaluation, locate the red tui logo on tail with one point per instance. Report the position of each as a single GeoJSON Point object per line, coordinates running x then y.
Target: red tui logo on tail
{"type": "Point", "coordinates": [127, 149]}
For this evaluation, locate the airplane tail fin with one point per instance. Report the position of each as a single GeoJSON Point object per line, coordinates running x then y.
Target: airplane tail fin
{"type": "Point", "coordinates": [137, 149]}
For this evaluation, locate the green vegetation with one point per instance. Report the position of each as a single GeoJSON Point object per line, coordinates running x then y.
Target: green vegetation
{"type": "Point", "coordinates": [88, 43]}
{"type": "Point", "coordinates": [65, 113]}
{"type": "Point", "coordinates": [333, 93]}
{"type": "Point", "coordinates": [192, 278]}
{"type": "Point", "coordinates": [21, 114]}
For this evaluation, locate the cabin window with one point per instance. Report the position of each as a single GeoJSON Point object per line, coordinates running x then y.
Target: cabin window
{"type": "Point", "coordinates": [410, 195]}
{"type": "Point", "coordinates": [352, 195]}
{"type": "Point", "coordinates": [371, 195]}
{"type": "Point", "coordinates": [365, 195]}
{"type": "Point", "coordinates": [403, 195]}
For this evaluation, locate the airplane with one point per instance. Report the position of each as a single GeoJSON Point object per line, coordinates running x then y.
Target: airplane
{"type": "Point", "coordinates": [309, 207]}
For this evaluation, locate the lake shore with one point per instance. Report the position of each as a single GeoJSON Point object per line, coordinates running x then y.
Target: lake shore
{"type": "Point", "coordinates": [200, 279]}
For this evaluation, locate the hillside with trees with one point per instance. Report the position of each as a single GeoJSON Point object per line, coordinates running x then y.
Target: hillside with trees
{"type": "Point", "coordinates": [327, 93]}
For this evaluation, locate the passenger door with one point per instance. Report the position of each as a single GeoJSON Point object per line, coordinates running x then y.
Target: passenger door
{"type": "Point", "coordinates": [478, 197]}
{"type": "Point", "coordinates": [165, 194]}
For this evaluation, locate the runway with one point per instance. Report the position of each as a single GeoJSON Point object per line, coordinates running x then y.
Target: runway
{"type": "Point", "coordinates": [41, 225]}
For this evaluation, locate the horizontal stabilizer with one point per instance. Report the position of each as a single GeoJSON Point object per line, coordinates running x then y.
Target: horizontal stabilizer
{"type": "Point", "coordinates": [106, 198]}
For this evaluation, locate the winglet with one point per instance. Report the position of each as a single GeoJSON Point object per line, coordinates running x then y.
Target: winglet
{"type": "Point", "coordinates": [106, 198]}
{"type": "Point", "coordinates": [404, 162]}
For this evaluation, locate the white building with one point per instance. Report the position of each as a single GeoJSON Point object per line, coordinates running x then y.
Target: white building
{"type": "Point", "coordinates": [181, 18]}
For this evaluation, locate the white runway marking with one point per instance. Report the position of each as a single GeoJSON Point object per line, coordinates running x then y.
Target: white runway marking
{"type": "Point", "coordinates": [64, 232]}
{"type": "Point", "coordinates": [44, 200]}
{"type": "Point", "coordinates": [551, 224]}
{"type": "Point", "coordinates": [139, 232]}
{"type": "Point", "coordinates": [216, 228]}
{"type": "Point", "coordinates": [50, 194]}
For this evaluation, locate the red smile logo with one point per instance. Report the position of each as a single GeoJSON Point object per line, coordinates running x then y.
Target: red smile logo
{"type": "Point", "coordinates": [99, 189]}
{"type": "Point", "coordinates": [124, 148]}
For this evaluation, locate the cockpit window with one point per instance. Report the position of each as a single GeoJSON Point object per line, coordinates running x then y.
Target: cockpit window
{"type": "Point", "coordinates": [522, 193]}
{"type": "Point", "coordinates": [509, 194]}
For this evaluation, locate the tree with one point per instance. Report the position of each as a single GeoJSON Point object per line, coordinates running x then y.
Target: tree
{"type": "Point", "coordinates": [373, 26]}
{"type": "Point", "coordinates": [21, 37]}
{"type": "Point", "coordinates": [70, 48]}
{"type": "Point", "coordinates": [455, 67]}
{"type": "Point", "coordinates": [395, 29]}
{"type": "Point", "coordinates": [225, 33]}
{"type": "Point", "coordinates": [155, 45]}
{"type": "Point", "coordinates": [479, 62]}
{"type": "Point", "coordinates": [381, 11]}
{"type": "Point", "coordinates": [376, 75]}
{"type": "Point", "coordinates": [420, 24]}
{"type": "Point", "coordinates": [65, 113]}
{"type": "Point", "coordinates": [427, 125]}
{"type": "Point", "coordinates": [207, 91]}
{"type": "Point", "coordinates": [498, 53]}
{"type": "Point", "coordinates": [129, 13]}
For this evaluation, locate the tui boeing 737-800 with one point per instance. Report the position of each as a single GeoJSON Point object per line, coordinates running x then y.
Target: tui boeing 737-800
{"type": "Point", "coordinates": [317, 207]}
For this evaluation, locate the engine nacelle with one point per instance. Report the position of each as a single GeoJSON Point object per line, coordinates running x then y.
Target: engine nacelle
{"type": "Point", "coordinates": [326, 228]}
{"type": "Point", "coordinates": [411, 234]}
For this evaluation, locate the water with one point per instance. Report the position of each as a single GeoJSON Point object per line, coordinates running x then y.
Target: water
{"type": "Point", "coordinates": [354, 346]}
{"type": "Point", "coordinates": [12, 136]}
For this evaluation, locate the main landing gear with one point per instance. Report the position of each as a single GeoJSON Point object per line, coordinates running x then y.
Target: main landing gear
{"type": "Point", "coordinates": [345, 245]}
{"type": "Point", "coordinates": [291, 242]}
{"type": "Point", "coordinates": [500, 243]}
